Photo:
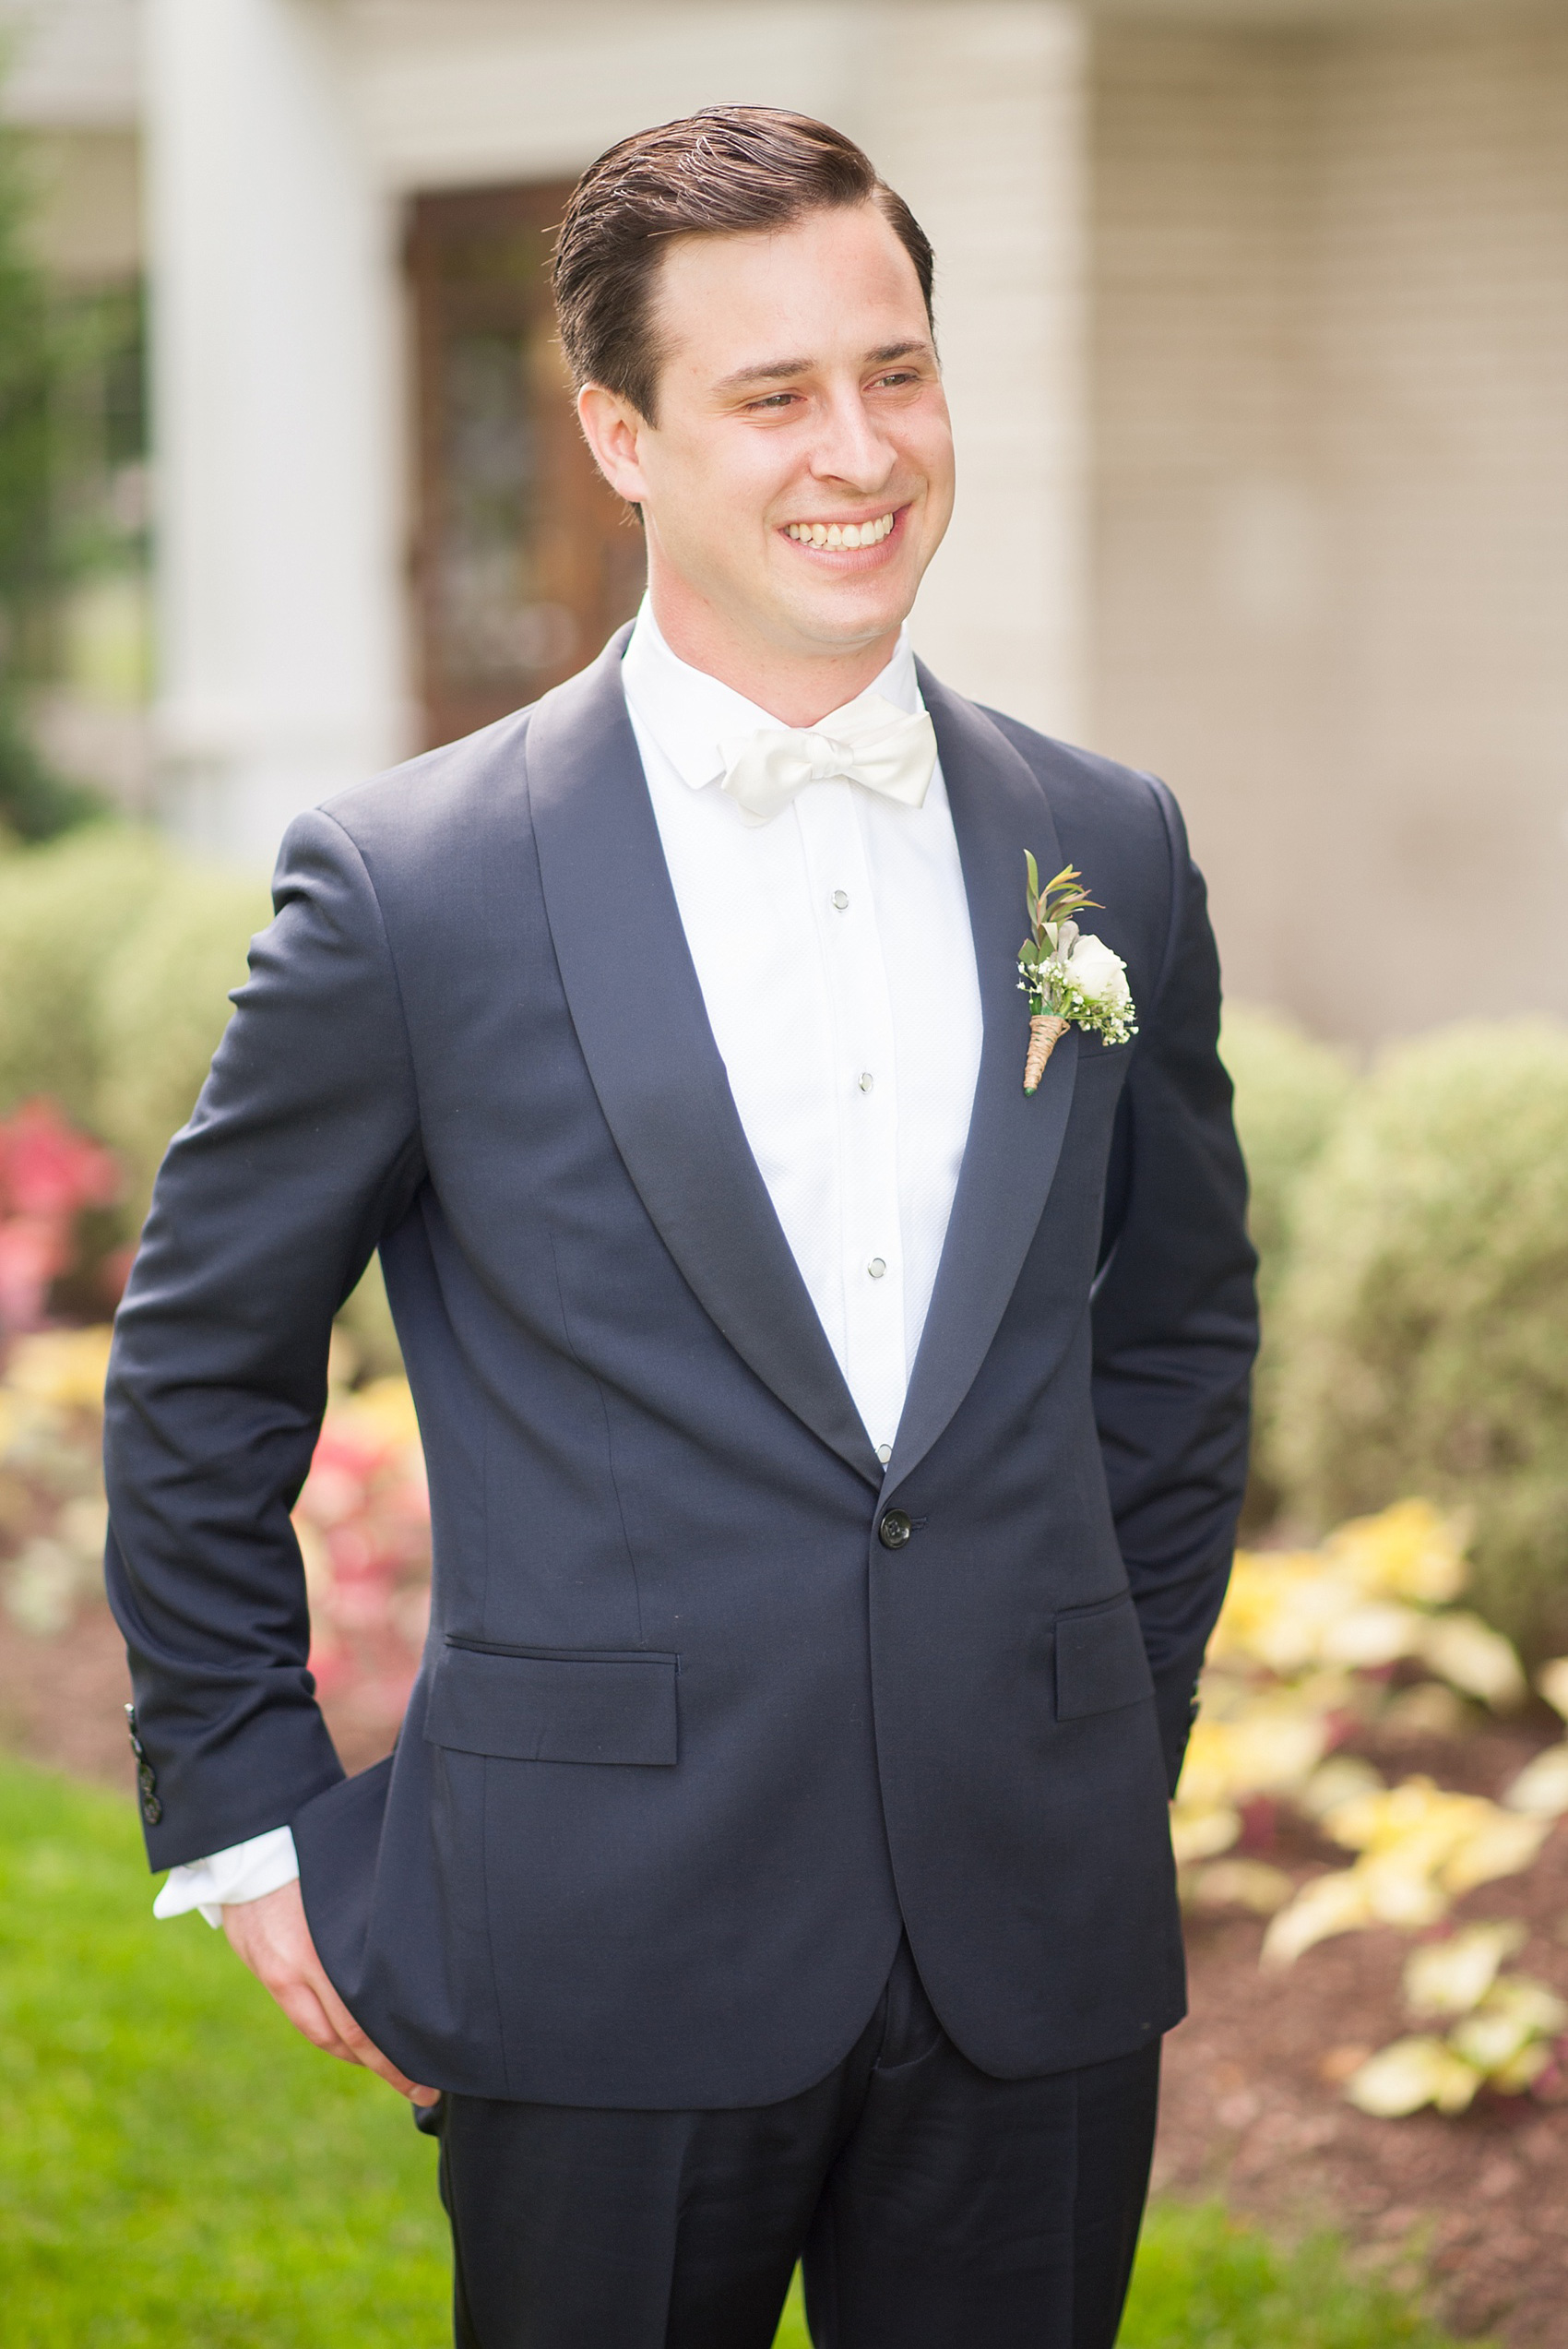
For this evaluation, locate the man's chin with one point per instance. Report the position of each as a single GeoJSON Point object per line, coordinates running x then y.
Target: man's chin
{"type": "Point", "coordinates": [823, 627]}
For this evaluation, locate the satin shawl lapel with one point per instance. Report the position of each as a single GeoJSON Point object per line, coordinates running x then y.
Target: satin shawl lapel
{"type": "Point", "coordinates": [1015, 1140]}
{"type": "Point", "coordinates": [639, 1012]}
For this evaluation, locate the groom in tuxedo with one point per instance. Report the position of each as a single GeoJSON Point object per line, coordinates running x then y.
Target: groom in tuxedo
{"type": "Point", "coordinates": [834, 1448]}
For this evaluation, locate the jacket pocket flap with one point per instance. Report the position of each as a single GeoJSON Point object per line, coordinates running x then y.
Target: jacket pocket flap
{"type": "Point", "coordinates": [1101, 1660]}
{"type": "Point", "coordinates": [555, 1708]}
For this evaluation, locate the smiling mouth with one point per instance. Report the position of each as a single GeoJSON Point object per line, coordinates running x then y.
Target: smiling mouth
{"type": "Point", "coordinates": [838, 537]}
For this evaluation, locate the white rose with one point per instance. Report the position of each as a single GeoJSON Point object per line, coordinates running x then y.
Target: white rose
{"type": "Point", "coordinates": [1099, 974]}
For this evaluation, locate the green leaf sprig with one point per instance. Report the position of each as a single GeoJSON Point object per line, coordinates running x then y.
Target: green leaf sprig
{"type": "Point", "coordinates": [1052, 911]}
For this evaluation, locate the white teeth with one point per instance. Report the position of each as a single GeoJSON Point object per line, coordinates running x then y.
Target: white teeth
{"type": "Point", "coordinates": [840, 534]}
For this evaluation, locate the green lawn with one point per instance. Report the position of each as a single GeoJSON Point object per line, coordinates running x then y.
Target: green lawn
{"type": "Point", "coordinates": [1203, 2283]}
{"type": "Point", "coordinates": [177, 2168]}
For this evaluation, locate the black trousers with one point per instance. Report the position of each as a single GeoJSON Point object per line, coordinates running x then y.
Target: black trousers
{"type": "Point", "coordinates": [932, 2206]}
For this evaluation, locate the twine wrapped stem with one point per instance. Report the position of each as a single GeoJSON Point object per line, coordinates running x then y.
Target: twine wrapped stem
{"type": "Point", "coordinates": [1045, 1028]}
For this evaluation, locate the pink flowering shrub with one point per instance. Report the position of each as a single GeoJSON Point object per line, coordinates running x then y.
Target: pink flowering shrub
{"type": "Point", "coordinates": [363, 1526]}
{"type": "Point", "coordinates": [49, 1176]}
{"type": "Point", "coordinates": [362, 1521]}
{"type": "Point", "coordinates": [363, 1517]}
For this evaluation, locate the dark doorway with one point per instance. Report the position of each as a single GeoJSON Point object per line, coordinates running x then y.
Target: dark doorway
{"type": "Point", "coordinates": [523, 559]}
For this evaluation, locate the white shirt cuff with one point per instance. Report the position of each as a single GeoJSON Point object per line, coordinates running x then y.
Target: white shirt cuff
{"type": "Point", "coordinates": [244, 1872]}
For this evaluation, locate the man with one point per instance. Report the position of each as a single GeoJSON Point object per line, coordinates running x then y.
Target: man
{"type": "Point", "coordinates": [834, 1449]}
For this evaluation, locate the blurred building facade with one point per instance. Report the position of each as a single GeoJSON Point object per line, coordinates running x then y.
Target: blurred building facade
{"type": "Point", "coordinates": [1256, 320]}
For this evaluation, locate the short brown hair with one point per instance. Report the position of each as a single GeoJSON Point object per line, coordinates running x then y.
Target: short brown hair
{"type": "Point", "coordinates": [724, 169]}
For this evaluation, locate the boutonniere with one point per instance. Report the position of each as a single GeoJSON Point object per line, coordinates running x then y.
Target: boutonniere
{"type": "Point", "coordinates": [1071, 978]}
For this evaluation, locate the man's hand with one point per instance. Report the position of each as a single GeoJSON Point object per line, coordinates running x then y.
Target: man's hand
{"type": "Point", "coordinates": [273, 1939]}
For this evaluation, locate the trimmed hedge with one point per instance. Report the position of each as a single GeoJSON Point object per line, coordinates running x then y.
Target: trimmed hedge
{"type": "Point", "coordinates": [1290, 1094]}
{"type": "Point", "coordinates": [116, 959]}
{"type": "Point", "coordinates": [117, 956]}
{"type": "Point", "coordinates": [163, 1005]}
{"type": "Point", "coordinates": [64, 909]}
{"type": "Point", "coordinates": [1421, 1332]}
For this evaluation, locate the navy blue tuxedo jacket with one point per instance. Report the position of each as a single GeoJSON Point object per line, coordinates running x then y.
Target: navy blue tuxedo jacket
{"type": "Point", "coordinates": [688, 1743]}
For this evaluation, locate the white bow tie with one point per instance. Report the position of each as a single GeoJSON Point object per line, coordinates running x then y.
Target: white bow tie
{"type": "Point", "coordinates": [871, 742]}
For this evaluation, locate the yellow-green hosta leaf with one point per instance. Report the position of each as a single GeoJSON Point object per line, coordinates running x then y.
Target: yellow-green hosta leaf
{"type": "Point", "coordinates": [1450, 1977]}
{"type": "Point", "coordinates": [1417, 1814]}
{"type": "Point", "coordinates": [1267, 1750]}
{"type": "Point", "coordinates": [1421, 1848]}
{"type": "Point", "coordinates": [1374, 1632]}
{"type": "Point", "coordinates": [1552, 1682]}
{"type": "Point", "coordinates": [1468, 1654]}
{"type": "Point", "coordinates": [1460, 1839]}
{"type": "Point", "coordinates": [1199, 1832]}
{"type": "Point", "coordinates": [1507, 2037]}
{"type": "Point", "coordinates": [1399, 1889]}
{"type": "Point", "coordinates": [1512, 2079]}
{"type": "Point", "coordinates": [1344, 1778]}
{"type": "Point", "coordinates": [1491, 2042]}
{"type": "Point", "coordinates": [1411, 1551]}
{"type": "Point", "coordinates": [1241, 1884]}
{"type": "Point", "coordinates": [1499, 1845]}
{"type": "Point", "coordinates": [1529, 2001]}
{"type": "Point", "coordinates": [1282, 1609]}
{"type": "Point", "coordinates": [1236, 1690]}
{"type": "Point", "coordinates": [1412, 2072]}
{"type": "Point", "coordinates": [1541, 1788]}
{"type": "Point", "coordinates": [1207, 1771]}
{"type": "Point", "coordinates": [1356, 1599]}
{"type": "Point", "coordinates": [1277, 1748]}
{"type": "Point", "coordinates": [1326, 1905]}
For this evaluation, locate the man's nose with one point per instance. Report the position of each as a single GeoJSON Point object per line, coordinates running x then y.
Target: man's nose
{"type": "Point", "coordinates": [852, 448]}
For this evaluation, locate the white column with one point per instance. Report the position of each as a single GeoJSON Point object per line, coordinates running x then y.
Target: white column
{"type": "Point", "coordinates": [275, 350]}
{"type": "Point", "coordinates": [975, 110]}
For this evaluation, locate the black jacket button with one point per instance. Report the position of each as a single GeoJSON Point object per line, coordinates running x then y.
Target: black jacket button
{"type": "Point", "coordinates": [895, 1529]}
{"type": "Point", "coordinates": [151, 1810]}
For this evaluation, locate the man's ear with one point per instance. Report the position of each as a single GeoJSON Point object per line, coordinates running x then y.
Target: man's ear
{"type": "Point", "coordinates": [613, 431]}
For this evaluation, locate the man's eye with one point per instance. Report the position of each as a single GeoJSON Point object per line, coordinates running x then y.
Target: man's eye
{"type": "Point", "coordinates": [894, 382]}
{"type": "Point", "coordinates": [776, 399]}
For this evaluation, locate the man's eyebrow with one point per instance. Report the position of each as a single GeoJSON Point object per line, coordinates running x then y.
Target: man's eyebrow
{"type": "Point", "coordinates": [782, 370]}
{"type": "Point", "coordinates": [765, 371]}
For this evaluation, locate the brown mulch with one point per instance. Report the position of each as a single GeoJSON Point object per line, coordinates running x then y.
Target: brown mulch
{"type": "Point", "coordinates": [1476, 2208]}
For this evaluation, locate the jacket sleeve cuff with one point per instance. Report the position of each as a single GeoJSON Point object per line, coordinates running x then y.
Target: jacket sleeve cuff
{"type": "Point", "coordinates": [224, 1880]}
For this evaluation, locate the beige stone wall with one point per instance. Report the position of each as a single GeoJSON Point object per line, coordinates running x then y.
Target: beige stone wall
{"type": "Point", "coordinates": [1330, 508]}
{"type": "Point", "coordinates": [975, 112]}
